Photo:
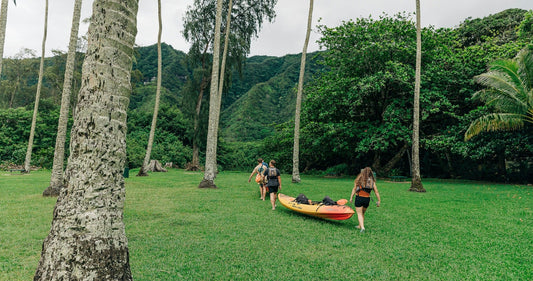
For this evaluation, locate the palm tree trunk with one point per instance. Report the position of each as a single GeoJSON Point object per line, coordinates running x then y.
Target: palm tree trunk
{"type": "Point", "coordinates": [56, 181]}
{"type": "Point", "coordinates": [142, 171]}
{"type": "Point", "coordinates": [416, 183]}
{"type": "Point", "coordinates": [214, 110]}
{"type": "Point", "coordinates": [3, 25]}
{"type": "Point", "coordinates": [225, 53]}
{"type": "Point", "coordinates": [27, 161]}
{"type": "Point", "coordinates": [87, 239]}
{"type": "Point", "coordinates": [296, 147]}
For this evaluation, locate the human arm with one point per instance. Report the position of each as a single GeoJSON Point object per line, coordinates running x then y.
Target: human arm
{"type": "Point", "coordinates": [279, 180]}
{"type": "Point", "coordinates": [377, 195]}
{"type": "Point", "coordinates": [353, 192]}
{"type": "Point", "coordinates": [252, 174]}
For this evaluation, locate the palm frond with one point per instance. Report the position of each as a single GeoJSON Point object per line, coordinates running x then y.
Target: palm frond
{"type": "Point", "coordinates": [529, 117]}
{"type": "Point", "coordinates": [495, 122]}
{"type": "Point", "coordinates": [525, 62]}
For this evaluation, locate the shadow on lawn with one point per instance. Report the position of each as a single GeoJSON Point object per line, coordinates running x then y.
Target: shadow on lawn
{"type": "Point", "coordinates": [311, 219]}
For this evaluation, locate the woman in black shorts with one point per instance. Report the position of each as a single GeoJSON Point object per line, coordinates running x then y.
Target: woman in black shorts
{"type": "Point", "coordinates": [273, 183]}
{"type": "Point", "coordinates": [363, 185]}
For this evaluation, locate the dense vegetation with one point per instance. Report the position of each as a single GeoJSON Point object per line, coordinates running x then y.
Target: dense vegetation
{"type": "Point", "coordinates": [357, 109]}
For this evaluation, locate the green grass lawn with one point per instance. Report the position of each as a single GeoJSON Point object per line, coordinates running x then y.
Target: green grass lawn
{"type": "Point", "coordinates": [458, 230]}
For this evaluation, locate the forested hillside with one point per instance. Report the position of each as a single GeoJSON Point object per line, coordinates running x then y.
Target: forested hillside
{"type": "Point", "coordinates": [357, 108]}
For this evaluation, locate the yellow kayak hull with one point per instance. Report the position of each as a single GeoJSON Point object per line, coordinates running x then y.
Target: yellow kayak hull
{"type": "Point", "coordinates": [334, 212]}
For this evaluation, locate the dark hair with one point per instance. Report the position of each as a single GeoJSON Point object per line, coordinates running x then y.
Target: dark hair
{"type": "Point", "coordinates": [260, 160]}
{"type": "Point", "coordinates": [272, 162]}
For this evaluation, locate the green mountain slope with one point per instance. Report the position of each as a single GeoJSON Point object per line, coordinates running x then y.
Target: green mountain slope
{"type": "Point", "coordinates": [265, 95]}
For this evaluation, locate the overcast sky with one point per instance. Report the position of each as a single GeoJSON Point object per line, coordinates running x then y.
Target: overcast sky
{"type": "Point", "coordinates": [284, 36]}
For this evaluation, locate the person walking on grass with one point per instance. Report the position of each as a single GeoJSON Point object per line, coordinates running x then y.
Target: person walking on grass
{"type": "Point", "coordinates": [273, 176]}
{"type": "Point", "coordinates": [260, 178]}
{"type": "Point", "coordinates": [364, 183]}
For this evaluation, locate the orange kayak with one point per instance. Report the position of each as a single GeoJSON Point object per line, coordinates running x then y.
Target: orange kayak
{"type": "Point", "coordinates": [333, 212]}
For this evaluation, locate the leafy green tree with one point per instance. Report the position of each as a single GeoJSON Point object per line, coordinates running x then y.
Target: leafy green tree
{"type": "Point", "coordinates": [18, 72]}
{"type": "Point", "coordinates": [509, 90]}
{"type": "Point", "coordinates": [199, 29]}
{"type": "Point", "coordinates": [359, 108]}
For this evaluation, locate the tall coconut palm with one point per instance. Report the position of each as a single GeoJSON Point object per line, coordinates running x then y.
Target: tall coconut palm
{"type": "Point", "coordinates": [296, 147]}
{"type": "Point", "coordinates": [87, 239]}
{"type": "Point", "coordinates": [3, 24]}
{"type": "Point", "coordinates": [146, 162]}
{"type": "Point", "coordinates": [225, 53]}
{"type": "Point", "coordinates": [509, 92]}
{"type": "Point", "coordinates": [56, 180]}
{"type": "Point", "coordinates": [214, 110]}
{"type": "Point", "coordinates": [27, 161]}
{"type": "Point", "coordinates": [416, 182]}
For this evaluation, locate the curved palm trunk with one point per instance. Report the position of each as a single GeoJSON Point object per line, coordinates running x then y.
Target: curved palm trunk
{"type": "Point", "coordinates": [296, 147]}
{"type": "Point", "coordinates": [56, 181]}
{"type": "Point", "coordinates": [214, 110]}
{"type": "Point", "coordinates": [416, 183]}
{"type": "Point", "coordinates": [27, 161]}
{"type": "Point", "coordinates": [3, 25]}
{"type": "Point", "coordinates": [142, 171]}
{"type": "Point", "coordinates": [87, 239]}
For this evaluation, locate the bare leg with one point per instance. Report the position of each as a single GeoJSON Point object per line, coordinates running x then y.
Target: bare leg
{"type": "Point", "coordinates": [273, 200]}
{"type": "Point", "coordinates": [263, 192]}
{"type": "Point", "coordinates": [361, 217]}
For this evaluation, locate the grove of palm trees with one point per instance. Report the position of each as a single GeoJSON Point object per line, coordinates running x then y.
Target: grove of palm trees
{"type": "Point", "coordinates": [410, 102]}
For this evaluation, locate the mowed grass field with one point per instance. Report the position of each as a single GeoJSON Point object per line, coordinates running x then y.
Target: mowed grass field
{"type": "Point", "coordinates": [458, 230]}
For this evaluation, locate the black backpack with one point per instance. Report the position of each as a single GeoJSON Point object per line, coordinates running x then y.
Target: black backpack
{"type": "Point", "coordinates": [302, 199]}
{"type": "Point", "coordinates": [328, 201]}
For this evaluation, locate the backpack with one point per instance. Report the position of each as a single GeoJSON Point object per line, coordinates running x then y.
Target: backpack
{"type": "Point", "coordinates": [272, 178]}
{"type": "Point", "coordinates": [260, 178]}
{"type": "Point", "coordinates": [302, 199]}
{"type": "Point", "coordinates": [328, 201]}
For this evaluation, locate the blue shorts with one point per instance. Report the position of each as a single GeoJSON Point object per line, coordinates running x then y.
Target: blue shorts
{"type": "Point", "coordinates": [362, 201]}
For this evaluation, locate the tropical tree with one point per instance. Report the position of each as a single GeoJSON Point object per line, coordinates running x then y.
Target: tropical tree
{"type": "Point", "coordinates": [3, 24]}
{"type": "Point", "coordinates": [146, 162]}
{"type": "Point", "coordinates": [416, 181]}
{"type": "Point", "coordinates": [225, 52]}
{"type": "Point", "coordinates": [27, 161]}
{"type": "Point", "coordinates": [199, 27]}
{"type": "Point", "coordinates": [56, 180]}
{"type": "Point", "coordinates": [214, 109]}
{"type": "Point", "coordinates": [296, 147]}
{"type": "Point", "coordinates": [87, 239]}
{"type": "Point", "coordinates": [509, 91]}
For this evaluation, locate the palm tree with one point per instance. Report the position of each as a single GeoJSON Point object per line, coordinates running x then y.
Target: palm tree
{"type": "Point", "coordinates": [56, 180]}
{"type": "Point", "coordinates": [27, 161]}
{"type": "Point", "coordinates": [142, 171]}
{"type": "Point", "coordinates": [225, 53]}
{"type": "Point", "coordinates": [416, 182]}
{"type": "Point", "coordinates": [214, 110]}
{"type": "Point", "coordinates": [3, 24]}
{"type": "Point", "coordinates": [509, 92]}
{"type": "Point", "coordinates": [296, 147]}
{"type": "Point", "coordinates": [87, 239]}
